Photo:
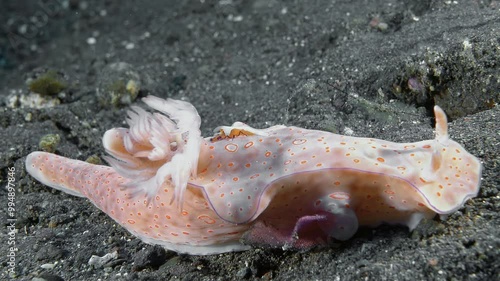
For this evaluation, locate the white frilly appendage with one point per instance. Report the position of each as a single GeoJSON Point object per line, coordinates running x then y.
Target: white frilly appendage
{"type": "Point", "coordinates": [157, 147]}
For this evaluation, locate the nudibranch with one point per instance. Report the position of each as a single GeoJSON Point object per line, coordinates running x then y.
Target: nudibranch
{"type": "Point", "coordinates": [282, 186]}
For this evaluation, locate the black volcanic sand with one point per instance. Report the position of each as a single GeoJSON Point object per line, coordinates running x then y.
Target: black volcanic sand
{"type": "Point", "coordinates": [366, 68]}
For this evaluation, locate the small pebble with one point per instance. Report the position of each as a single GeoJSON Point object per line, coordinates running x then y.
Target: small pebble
{"type": "Point", "coordinates": [28, 117]}
{"type": "Point", "coordinates": [48, 265]}
{"type": "Point", "coordinates": [244, 272]}
{"type": "Point", "coordinates": [98, 262]}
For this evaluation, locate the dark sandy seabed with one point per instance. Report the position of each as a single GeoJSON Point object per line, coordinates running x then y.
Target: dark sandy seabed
{"type": "Point", "coordinates": [368, 68]}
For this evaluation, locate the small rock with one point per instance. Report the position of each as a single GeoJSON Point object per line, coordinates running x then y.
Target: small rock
{"type": "Point", "coordinates": [94, 159]}
{"type": "Point", "coordinates": [49, 252]}
{"type": "Point", "coordinates": [49, 142]}
{"type": "Point", "coordinates": [91, 41]}
{"type": "Point", "coordinates": [28, 117]}
{"type": "Point", "coordinates": [130, 46]}
{"type": "Point", "coordinates": [49, 83]}
{"type": "Point", "coordinates": [47, 277]}
{"type": "Point", "coordinates": [32, 100]}
{"type": "Point", "coordinates": [427, 228]}
{"type": "Point", "coordinates": [99, 262]}
{"type": "Point", "coordinates": [150, 257]}
{"type": "Point", "coordinates": [119, 84]}
{"type": "Point", "coordinates": [244, 272]}
{"type": "Point", "coordinates": [48, 265]}
{"type": "Point", "coordinates": [172, 262]}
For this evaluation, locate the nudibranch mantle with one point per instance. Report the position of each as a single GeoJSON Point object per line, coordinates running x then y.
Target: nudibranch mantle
{"type": "Point", "coordinates": [280, 186]}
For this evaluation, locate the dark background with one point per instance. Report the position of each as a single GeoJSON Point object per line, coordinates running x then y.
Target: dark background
{"type": "Point", "coordinates": [366, 68]}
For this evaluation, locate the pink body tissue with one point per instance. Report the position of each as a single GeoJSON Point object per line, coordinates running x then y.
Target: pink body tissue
{"type": "Point", "coordinates": [282, 186]}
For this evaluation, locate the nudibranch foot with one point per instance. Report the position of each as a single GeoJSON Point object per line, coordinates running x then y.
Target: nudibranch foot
{"type": "Point", "coordinates": [303, 236]}
{"type": "Point", "coordinates": [308, 231]}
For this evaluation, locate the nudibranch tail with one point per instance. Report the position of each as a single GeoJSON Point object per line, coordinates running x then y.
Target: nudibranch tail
{"type": "Point", "coordinates": [44, 167]}
{"type": "Point", "coordinates": [157, 147]}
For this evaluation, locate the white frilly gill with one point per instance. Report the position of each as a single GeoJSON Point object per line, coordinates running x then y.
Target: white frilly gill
{"type": "Point", "coordinates": [158, 147]}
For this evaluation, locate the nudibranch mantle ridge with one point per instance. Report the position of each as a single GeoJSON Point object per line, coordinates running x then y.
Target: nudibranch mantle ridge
{"type": "Point", "coordinates": [280, 186]}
